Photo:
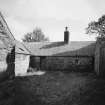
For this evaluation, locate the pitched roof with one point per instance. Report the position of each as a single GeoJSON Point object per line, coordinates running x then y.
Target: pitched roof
{"type": "Point", "coordinates": [7, 40]}
{"type": "Point", "coordinates": [21, 49]}
{"type": "Point", "coordinates": [5, 33]}
{"type": "Point", "coordinates": [74, 48]}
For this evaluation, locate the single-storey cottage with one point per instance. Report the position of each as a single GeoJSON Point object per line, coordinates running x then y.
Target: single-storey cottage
{"type": "Point", "coordinates": [65, 55]}
{"type": "Point", "coordinates": [68, 55]}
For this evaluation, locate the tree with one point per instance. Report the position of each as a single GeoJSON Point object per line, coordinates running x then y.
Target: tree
{"type": "Point", "coordinates": [36, 36]}
{"type": "Point", "coordinates": [97, 27]}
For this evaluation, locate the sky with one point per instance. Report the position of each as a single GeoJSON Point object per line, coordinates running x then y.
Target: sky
{"type": "Point", "coordinates": [52, 16]}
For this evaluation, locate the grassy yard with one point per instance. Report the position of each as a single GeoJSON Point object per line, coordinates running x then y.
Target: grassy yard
{"type": "Point", "coordinates": [54, 88]}
{"type": "Point", "coordinates": [59, 88]}
{"type": "Point", "coordinates": [7, 93]}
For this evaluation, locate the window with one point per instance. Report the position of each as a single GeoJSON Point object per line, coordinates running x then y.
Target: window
{"type": "Point", "coordinates": [77, 61]}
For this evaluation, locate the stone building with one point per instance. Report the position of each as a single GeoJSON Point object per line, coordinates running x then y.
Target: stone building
{"type": "Point", "coordinates": [65, 55]}
{"type": "Point", "coordinates": [68, 55]}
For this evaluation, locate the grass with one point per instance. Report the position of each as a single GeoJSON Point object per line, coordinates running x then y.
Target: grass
{"type": "Point", "coordinates": [59, 88]}
{"type": "Point", "coordinates": [53, 88]}
{"type": "Point", "coordinates": [7, 92]}
{"type": "Point", "coordinates": [6, 89]}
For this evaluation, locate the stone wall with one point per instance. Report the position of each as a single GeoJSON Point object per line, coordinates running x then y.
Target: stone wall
{"type": "Point", "coordinates": [67, 63]}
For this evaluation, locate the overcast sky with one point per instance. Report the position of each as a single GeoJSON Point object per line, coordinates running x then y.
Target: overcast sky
{"type": "Point", "coordinates": [52, 16]}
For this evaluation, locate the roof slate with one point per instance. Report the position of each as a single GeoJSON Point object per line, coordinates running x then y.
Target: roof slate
{"type": "Point", "coordinates": [7, 40]}
{"type": "Point", "coordinates": [21, 49]}
{"type": "Point", "coordinates": [74, 48]}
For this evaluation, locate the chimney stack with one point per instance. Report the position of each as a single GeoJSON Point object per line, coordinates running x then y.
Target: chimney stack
{"type": "Point", "coordinates": [66, 35]}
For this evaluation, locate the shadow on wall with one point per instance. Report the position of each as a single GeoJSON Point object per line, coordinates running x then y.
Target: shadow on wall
{"type": "Point", "coordinates": [34, 63]}
{"type": "Point", "coordinates": [11, 63]}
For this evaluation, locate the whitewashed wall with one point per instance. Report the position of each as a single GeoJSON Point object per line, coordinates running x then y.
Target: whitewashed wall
{"type": "Point", "coordinates": [21, 63]}
{"type": "Point", "coordinates": [3, 66]}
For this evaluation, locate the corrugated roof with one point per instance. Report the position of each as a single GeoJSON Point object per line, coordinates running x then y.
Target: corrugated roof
{"type": "Point", "coordinates": [74, 48]}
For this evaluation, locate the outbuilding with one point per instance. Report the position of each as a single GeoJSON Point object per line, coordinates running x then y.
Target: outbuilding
{"type": "Point", "coordinates": [65, 55]}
